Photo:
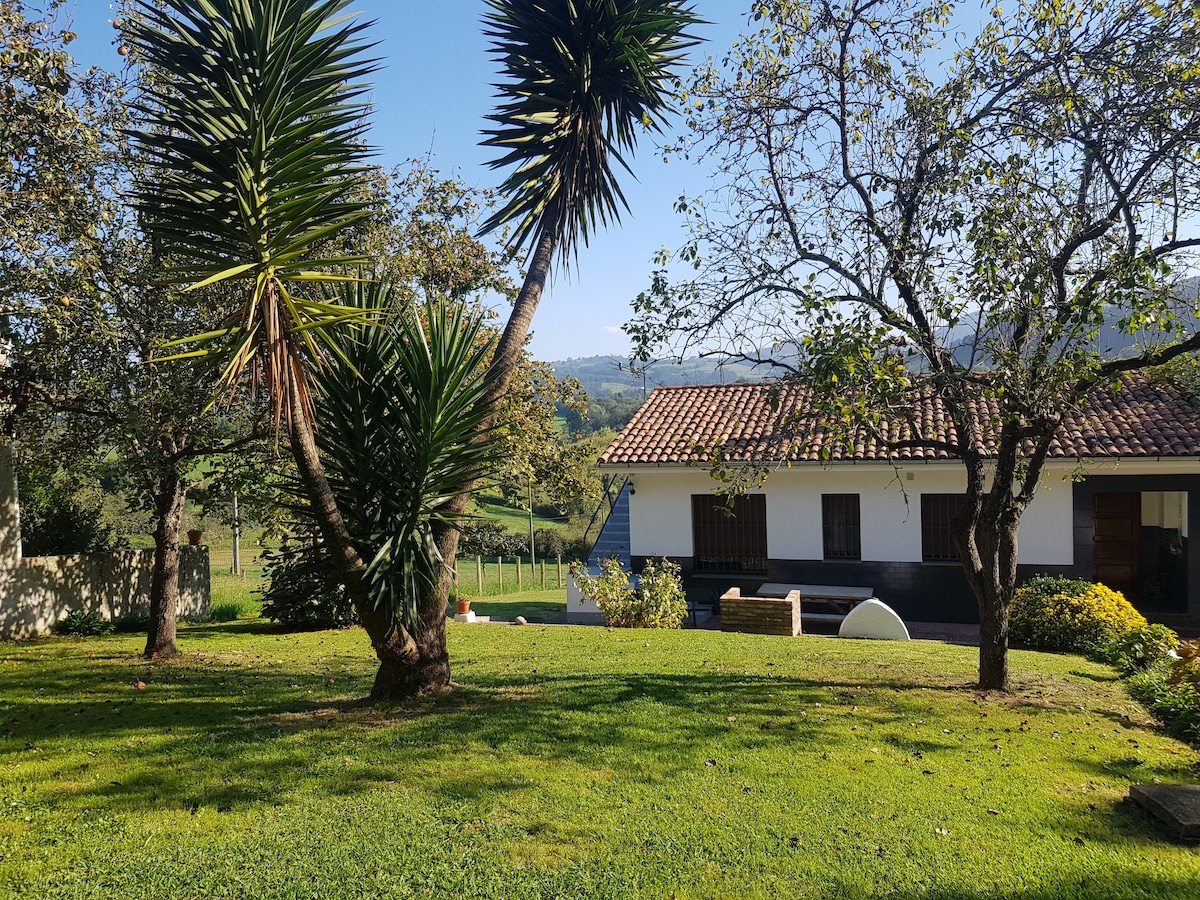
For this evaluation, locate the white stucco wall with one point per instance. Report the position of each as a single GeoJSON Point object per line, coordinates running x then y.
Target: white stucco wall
{"type": "Point", "coordinates": [40, 590]}
{"type": "Point", "coordinates": [889, 507]}
{"type": "Point", "coordinates": [36, 592]}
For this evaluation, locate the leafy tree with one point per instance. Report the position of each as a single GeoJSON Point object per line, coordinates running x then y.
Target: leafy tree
{"type": "Point", "coordinates": [92, 389]}
{"type": "Point", "coordinates": [62, 512]}
{"type": "Point", "coordinates": [901, 221]}
{"type": "Point", "coordinates": [79, 310]}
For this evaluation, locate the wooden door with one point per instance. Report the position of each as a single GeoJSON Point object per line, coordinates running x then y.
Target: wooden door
{"type": "Point", "coordinates": [1117, 537]}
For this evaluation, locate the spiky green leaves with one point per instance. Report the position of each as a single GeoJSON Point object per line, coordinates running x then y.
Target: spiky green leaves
{"type": "Point", "coordinates": [403, 429]}
{"type": "Point", "coordinates": [582, 76]}
{"type": "Point", "coordinates": [254, 131]}
{"type": "Point", "coordinates": [252, 139]}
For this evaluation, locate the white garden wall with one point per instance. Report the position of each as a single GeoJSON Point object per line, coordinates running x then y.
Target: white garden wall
{"type": "Point", "coordinates": [36, 592]}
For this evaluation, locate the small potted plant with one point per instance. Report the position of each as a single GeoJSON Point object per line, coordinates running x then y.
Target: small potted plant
{"type": "Point", "coordinates": [464, 605]}
{"type": "Point", "coordinates": [195, 537]}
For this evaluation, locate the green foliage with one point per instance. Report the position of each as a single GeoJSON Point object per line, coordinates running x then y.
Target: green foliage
{"type": "Point", "coordinates": [402, 431]}
{"type": "Point", "coordinates": [83, 624]}
{"type": "Point", "coordinates": [253, 125]}
{"type": "Point", "coordinates": [62, 512]}
{"type": "Point", "coordinates": [225, 612]}
{"type": "Point", "coordinates": [1175, 702]}
{"type": "Point", "coordinates": [1053, 613]}
{"type": "Point", "coordinates": [555, 543]}
{"type": "Point", "coordinates": [582, 78]}
{"type": "Point", "coordinates": [658, 602]}
{"type": "Point", "coordinates": [485, 537]}
{"type": "Point", "coordinates": [1138, 648]}
{"type": "Point", "coordinates": [303, 591]}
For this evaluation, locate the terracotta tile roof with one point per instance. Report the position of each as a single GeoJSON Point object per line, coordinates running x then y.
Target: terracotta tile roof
{"type": "Point", "coordinates": [1141, 419]}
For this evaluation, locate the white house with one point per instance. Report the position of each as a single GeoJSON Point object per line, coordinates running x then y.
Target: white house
{"type": "Point", "coordinates": [879, 518]}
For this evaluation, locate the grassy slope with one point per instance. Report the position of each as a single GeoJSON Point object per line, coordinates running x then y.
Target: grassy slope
{"type": "Point", "coordinates": [574, 762]}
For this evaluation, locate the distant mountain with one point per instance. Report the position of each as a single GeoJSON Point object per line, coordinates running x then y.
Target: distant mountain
{"type": "Point", "coordinates": [602, 376]}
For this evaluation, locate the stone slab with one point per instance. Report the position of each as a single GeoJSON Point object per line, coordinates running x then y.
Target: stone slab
{"type": "Point", "coordinates": [874, 620]}
{"type": "Point", "coordinates": [1177, 805]}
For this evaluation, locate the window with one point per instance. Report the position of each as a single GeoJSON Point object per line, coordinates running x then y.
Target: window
{"type": "Point", "coordinates": [840, 524]}
{"type": "Point", "coordinates": [730, 543]}
{"type": "Point", "coordinates": [937, 526]}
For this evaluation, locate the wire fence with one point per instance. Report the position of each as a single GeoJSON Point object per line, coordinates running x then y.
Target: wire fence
{"type": "Point", "coordinates": [493, 576]}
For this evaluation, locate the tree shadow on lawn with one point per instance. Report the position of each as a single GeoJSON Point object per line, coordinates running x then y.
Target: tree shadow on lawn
{"type": "Point", "coordinates": [228, 734]}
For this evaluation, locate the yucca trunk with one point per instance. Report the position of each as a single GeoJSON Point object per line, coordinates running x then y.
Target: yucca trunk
{"type": "Point", "coordinates": [407, 666]}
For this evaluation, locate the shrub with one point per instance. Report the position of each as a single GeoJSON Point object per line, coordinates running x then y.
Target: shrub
{"type": "Point", "coordinates": [1138, 649]}
{"type": "Point", "coordinates": [552, 542]}
{"type": "Point", "coordinates": [83, 624]}
{"type": "Point", "coordinates": [62, 512]}
{"type": "Point", "coordinates": [1168, 692]}
{"type": "Point", "coordinates": [226, 612]}
{"type": "Point", "coordinates": [485, 537]}
{"type": "Point", "coordinates": [304, 591]}
{"type": "Point", "coordinates": [658, 602]}
{"type": "Point", "coordinates": [1053, 613]}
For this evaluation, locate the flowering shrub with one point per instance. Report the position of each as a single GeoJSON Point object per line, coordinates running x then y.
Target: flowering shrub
{"type": "Point", "coordinates": [1052, 613]}
{"type": "Point", "coordinates": [658, 603]}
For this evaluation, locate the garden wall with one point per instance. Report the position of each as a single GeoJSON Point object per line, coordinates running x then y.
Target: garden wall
{"type": "Point", "coordinates": [40, 590]}
{"type": "Point", "coordinates": [37, 591]}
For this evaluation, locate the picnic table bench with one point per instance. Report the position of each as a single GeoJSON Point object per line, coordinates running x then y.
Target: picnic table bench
{"type": "Point", "coordinates": [839, 598]}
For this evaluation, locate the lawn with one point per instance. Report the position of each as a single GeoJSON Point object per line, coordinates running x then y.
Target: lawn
{"type": "Point", "coordinates": [575, 762]}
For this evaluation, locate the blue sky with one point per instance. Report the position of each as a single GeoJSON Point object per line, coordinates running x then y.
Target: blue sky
{"type": "Point", "coordinates": [433, 93]}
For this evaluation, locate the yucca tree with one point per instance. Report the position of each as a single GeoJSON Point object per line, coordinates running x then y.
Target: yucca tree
{"type": "Point", "coordinates": [402, 429]}
{"type": "Point", "coordinates": [252, 143]}
{"type": "Point", "coordinates": [581, 79]}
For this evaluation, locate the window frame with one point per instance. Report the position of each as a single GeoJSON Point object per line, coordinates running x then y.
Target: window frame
{"type": "Point", "coordinates": [938, 512]}
{"type": "Point", "coordinates": [729, 545]}
{"type": "Point", "coordinates": [841, 527]}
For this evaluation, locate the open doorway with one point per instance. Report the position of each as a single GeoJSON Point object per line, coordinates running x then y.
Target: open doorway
{"type": "Point", "coordinates": [1140, 546]}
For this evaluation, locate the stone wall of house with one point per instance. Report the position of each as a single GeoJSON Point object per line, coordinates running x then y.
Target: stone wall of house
{"type": "Point", "coordinates": [36, 592]}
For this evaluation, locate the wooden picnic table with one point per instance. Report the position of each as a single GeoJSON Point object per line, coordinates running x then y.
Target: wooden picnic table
{"type": "Point", "coordinates": [839, 598]}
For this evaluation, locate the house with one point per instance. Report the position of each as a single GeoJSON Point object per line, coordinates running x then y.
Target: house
{"type": "Point", "coordinates": [1120, 498]}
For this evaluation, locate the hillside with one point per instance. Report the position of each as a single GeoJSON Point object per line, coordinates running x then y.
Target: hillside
{"type": "Point", "coordinates": [602, 376]}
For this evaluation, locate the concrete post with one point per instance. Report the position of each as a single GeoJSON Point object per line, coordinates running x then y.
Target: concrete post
{"type": "Point", "coordinates": [10, 514]}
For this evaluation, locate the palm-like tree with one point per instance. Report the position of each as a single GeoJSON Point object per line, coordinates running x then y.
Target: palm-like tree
{"type": "Point", "coordinates": [252, 144]}
{"type": "Point", "coordinates": [582, 77]}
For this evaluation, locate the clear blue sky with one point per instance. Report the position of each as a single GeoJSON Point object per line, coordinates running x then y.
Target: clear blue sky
{"type": "Point", "coordinates": [433, 93]}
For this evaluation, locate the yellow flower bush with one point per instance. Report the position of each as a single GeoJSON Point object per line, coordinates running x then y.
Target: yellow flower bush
{"type": "Point", "coordinates": [1052, 613]}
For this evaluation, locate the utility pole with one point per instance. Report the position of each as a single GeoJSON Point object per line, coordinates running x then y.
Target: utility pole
{"type": "Point", "coordinates": [532, 552]}
{"type": "Point", "coordinates": [237, 538]}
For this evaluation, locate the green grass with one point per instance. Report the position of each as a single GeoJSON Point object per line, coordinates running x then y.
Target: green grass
{"type": "Point", "coordinates": [510, 518]}
{"type": "Point", "coordinates": [575, 762]}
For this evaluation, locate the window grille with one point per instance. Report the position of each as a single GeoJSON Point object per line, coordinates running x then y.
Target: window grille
{"type": "Point", "coordinates": [734, 543]}
{"type": "Point", "coordinates": [841, 526]}
{"type": "Point", "coordinates": [937, 526]}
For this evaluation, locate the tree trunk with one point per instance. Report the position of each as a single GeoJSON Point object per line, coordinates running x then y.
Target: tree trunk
{"type": "Point", "coordinates": [988, 549]}
{"type": "Point", "coordinates": [164, 583]}
{"type": "Point", "coordinates": [407, 665]}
